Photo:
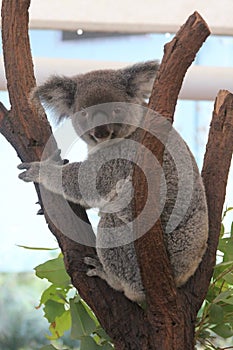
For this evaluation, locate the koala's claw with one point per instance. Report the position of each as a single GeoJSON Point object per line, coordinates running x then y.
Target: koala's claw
{"type": "Point", "coordinates": [92, 262]}
{"type": "Point", "coordinates": [24, 166]}
{"type": "Point", "coordinates": [32, 172]}
{"type": "Point", "coordinates": [40, 212]}
{"type": "Point", "coordinates": [97, 268]}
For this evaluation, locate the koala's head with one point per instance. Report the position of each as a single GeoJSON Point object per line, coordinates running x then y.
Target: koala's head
{"type": "Point", "coordinates": [82, 97]}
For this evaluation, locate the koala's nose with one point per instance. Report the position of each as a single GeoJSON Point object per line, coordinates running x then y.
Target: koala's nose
{"type": "Point", "coordinates": [101, 132]}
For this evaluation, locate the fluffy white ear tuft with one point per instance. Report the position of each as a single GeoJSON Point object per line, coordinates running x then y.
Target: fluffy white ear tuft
{"type": "Point", "coordinates": [139, 79]}
{"type": "Point", "coordinates": [57, 94]}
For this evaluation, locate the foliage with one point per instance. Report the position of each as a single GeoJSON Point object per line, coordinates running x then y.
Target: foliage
{"type": "Point", "coordinates": [65, 310]}
{"type": "Point", "coordinates": [216, 315]}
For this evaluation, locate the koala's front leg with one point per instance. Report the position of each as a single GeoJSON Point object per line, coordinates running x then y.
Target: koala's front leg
{"type": "Point", "coordinates": [54, 176]}
{"type": "Point", "coordinates": [32, 173]}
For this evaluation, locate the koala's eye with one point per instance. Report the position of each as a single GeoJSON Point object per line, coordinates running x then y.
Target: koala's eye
{"type": "Point", "coordinates": [83, 113]}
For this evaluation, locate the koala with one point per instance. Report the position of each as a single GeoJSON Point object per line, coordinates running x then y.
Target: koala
{"type": "Point", "coordinates": [103, 106]}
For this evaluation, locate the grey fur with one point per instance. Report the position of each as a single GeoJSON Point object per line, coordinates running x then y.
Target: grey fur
{"type": "Point", "coordinates": [117, 263]}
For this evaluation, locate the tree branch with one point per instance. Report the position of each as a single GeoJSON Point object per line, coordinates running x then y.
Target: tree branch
{"type": "Point", "coordinates": [165, 304]}
{"type": "Point", "coordinates": [178, 56]}
{"type": "Point", "coordinates": [215, 171]}
{"type": "Point", "coordinates": [28, 132]}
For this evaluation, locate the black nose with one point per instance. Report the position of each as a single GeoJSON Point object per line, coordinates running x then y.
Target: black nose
{"type": "Point", "coordinates": [101, 132]}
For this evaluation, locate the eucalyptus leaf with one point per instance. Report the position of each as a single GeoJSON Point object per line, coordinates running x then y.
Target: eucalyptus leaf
{"type": "Point", "coordinates": [88, 343]}
{"type": "Point", "coordinates": [60, 325]}
{"type": "Point", "coordinates": [216, 314]}
{"type": "Point", "coordinates": [35, 248]}
{"type": "Point", "coordinates": [54, 271]}
{"type": "Point", "coordinates": [224, 264]}
{"type": "Point", "coordinates": [223, 296]}
{"type": "Point", "coordinates": [63, 322]}
{"type": "Point", "coordinates": [53, 293]}
{"type": "Point", "coordinates": [52, 309]}
{"type": "Point", "coordinates": [82, 323]}
{"type": "Point", "coordinates": [89, 311]}
{"type": "Point", "coordinates": [107, 347]}
{"type": "Point", "coordinates": [222, 230]}
{"type": "Point", "coordinates": [229, 277]}
{"type": "Point", "coordinates": [224, 330]}
{"type": "Point", "coordinates": [102, 334]}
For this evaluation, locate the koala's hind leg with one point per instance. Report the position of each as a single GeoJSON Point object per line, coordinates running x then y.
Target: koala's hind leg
{"type": "Point", "coordinates": [96, 267]}
{"type": "Point", "coordinates": [97, 270]}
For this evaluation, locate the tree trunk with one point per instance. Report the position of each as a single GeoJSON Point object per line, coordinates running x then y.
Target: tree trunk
{"type": "Point", "coordinates": [168, 322]}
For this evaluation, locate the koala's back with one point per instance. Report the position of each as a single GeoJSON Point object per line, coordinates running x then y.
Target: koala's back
{"type": "Point", "coordinates": [184, 217]}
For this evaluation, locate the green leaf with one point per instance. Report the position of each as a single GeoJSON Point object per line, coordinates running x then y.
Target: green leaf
{"type": "Point", "coordinates": [53, 293]}
{"type": "Point", "coordinates": [88, 343]}
{"type": "Point", "coordinates": [226, 246]}
{"type": "Point", "coordinates": [229, 277]}
{"type": "Point", "coordinates": [82, 323]}
{"type": "Point", "coordinates": [35, 248]}
{"type": "Point", "coordinates": [222, 230]}
{"type": "Point", "coordinates": [77, 298]}
{"type": "Point", "coordinates": [53, 309]}
{"type": "Point", "coordinates": [226, 211]}
{"type": "Point", "coordinates": [63, 323]}
{"type": "Point", "coordinates": [102, 334]}
{"type": "Point", "coordinates": [228, 312]}
{"type": "Point", "coordinates": [216, 314]}
{"type": "Point", "coordinates": [107, 347]}
{"type": "Point", "coordinates": [48, 347]}
{"type": "Point", "coordinates": [54, 271]}
{"type": "Point", "coordinates": [89, 311]}
{"type": "Point", "coordinates": [60, 325]}
{"type": "Point", "coordinates": [205, 334]}
{"type": "Point", "coordinates": [223, 296]}
{"type": "Point", "coordinates": [224, 264]}
{"type": "Point", "coordinates": [224, 330]}
{"type": "Point", "coordinates": [229, 300]}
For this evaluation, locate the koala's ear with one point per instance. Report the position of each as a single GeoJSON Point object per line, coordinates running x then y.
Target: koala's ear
{"type": "Point", "coordinates": [57, 94]}
{"type": "Point", "coordinates": [139, 79]}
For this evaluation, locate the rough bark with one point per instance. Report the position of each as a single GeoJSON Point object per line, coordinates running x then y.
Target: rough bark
{"type": "Point", "coordinates": [28, 131]}
{"type": "Point", "coordinates": [178, 56]}
{"type": "Point", "coordinates": [167, 310]}
{"type": "Point", "coordinates": [215, 171]}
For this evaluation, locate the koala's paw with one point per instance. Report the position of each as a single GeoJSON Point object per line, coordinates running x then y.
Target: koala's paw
{"type": "Point", "coordinates": [96, 267]}
{"type": "Point", "coordinates": [32, 173]}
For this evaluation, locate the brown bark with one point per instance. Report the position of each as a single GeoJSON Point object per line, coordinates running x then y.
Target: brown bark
{"type": "Point", "coordinates": [178, 56]}
{"type": "Point", "coordinates": [28, 131]}
{"type": "Point", "coordinates": [167, 310]}
{"type": "Point", "coordinates": [215, 171]}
